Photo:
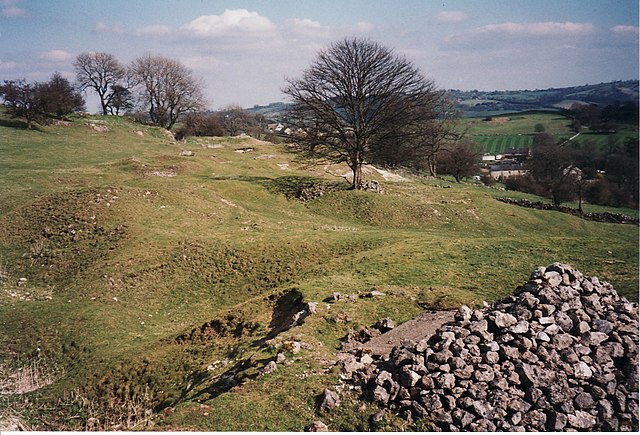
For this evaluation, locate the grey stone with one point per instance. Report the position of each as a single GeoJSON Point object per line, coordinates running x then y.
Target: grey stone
{"type": "Point", "coordinates": [583, 401]}
{"type": "Point", "coordinates": [582, 370]}
{"type": "Point", "coordinates": [491, 357]}
{"type": "Point", "coordinates": [380, 394]}
{"type": "Point", "coordinates": [563, 341]}
{"type": "Point", "coordinates": [431, 402]}
{"type": "Point", "coordinates": [483, 375]}
{"type": "Point", "coordinates": [594, 338]}
{"type": "Point", "coordinates": [504, 320]}
{"type": "Point", "coordinates": [329, 400]}
{"type": "Point", "coordinates": [462, 417]}
{"type": "Point", "coordinates": [562, 347]}
{"type": "Point", "coordinates": [270, 367]}
{"type": "Point", "coordinates": [520, 328]}
{"type": "Point", "coordinates": [581, 420]}
{"type": "Point", "coordinates": [446, 381]}
{"type": "Point", "coordinates": [378, 416]}
{"type": "Point", "coordinates": [543, 336]}
{"type": "Point", "coordinates": [482, 409]}
{"type": "Point", "coordinates": [535, 420]}
{"type": "Point", "coordinates": [602, 325]}
{"type": "Point", "coordinates": [527, 374]}
{"type": "Point", "coordinates": [464, 314]}
{"type": "Point", "coordinates": [317, 426]}
{"type": "Point", "coordinates": [442, 416]}
{"type": "Point", "coordinates": [556, 421]}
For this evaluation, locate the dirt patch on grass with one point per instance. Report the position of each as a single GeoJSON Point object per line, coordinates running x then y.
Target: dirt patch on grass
{"type": "Point", "coordinates": [499, 120]}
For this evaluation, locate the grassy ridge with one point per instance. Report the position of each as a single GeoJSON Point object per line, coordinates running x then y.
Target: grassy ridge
{"type": "Point", "coordinates": [128, 248]}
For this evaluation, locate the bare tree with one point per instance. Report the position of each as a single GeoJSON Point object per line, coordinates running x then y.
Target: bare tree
{"type": "Point", "coordinates": [238, 120]}
{"type": "Point", "coordinates": [168, 89]}
{"type": "Point", "coordinates": [553, 168]}
{"type": "Point", "coordinates": [39, 102]}
{"type": "Point", "coordinates": [357, 100]}
{"type": "Point", "coordinates": [59, 98]}
{"type": "Point", "coordinates": [101, 72]}
{"type": "Point", "coordinates": [22, 100]}
{"type": "Point", "coordinates": [460, 159]}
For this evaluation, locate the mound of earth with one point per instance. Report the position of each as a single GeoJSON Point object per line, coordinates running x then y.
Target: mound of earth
{"type": "Point", "coordinates": [561, 354]}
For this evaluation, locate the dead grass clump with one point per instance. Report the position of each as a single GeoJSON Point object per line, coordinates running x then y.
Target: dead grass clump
{"type": "Point", "coordinates": [27, 378]}
{"type": "Point", "coordinates": [113, 414]}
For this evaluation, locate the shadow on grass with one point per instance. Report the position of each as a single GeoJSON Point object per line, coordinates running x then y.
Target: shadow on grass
{"type": "Point", "coordinates": [18, 124]}
{"type": "Point", "coordinates": [288, 311]}
{"type": "Point", "coordinates": [290, 186]}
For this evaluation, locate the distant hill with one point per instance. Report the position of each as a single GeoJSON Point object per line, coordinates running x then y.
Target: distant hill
{"type": "Point", "coordinates": [484, 103]}
{"type": "Point", "coordinates": [487, 103]}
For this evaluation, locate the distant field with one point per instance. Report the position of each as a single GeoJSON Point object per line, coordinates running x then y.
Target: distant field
{"type": "Point", "coordinates": [518, 130]}
{"type": "Point", "coordinates": [497, 144]}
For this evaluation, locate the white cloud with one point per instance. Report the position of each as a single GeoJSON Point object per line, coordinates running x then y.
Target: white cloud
{"type": "Point", "coordinates": [626, 30]}
{"type": "Point", "coordinates": [8, 66]}
{"type": "Point", "coordinates": [538, 29]}
{"type": "Point", "coordinates": [202, 62]}
{"type": "Point", "coordinates": [363, 27]}
{"type": "Point", "coordinates": [450, 17]}
{"type": "Point", "coordinates": [56, 56]}
{"type": "Point", "coordinates": [306, 23]}
{"type": "Point", "coordinates": [315, 32]}
{"type": "Point", "coordinates": [154, 30]}
{"type": "Point", "coordinates": [101, 27]}
{"type": "Point", "coordinates": [13, 11]}
{"type": "Point", "coordinates": [505, 34]}
{"type": "Point", "coordinates": [236, 21]}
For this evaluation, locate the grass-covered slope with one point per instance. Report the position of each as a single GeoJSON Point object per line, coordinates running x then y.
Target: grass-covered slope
{"type": "Point", "coordinates": [147, 287]}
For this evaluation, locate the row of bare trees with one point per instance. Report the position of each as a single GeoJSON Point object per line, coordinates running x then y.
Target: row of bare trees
{"type": "Point", "coordinates": [164, 87]}
{"type": "Point", "coordinates": [357, 103]}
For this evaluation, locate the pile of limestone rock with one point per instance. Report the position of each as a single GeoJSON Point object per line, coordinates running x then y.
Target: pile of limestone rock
{"type": "Point", "coordinates": [560, 354]}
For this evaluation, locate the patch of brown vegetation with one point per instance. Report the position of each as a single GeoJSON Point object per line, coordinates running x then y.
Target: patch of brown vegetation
{"type": "Point", "coordinates": [499, 120]}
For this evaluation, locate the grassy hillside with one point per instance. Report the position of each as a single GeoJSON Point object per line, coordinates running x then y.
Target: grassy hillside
{"type": "Point", "coordinates": [145, 287]}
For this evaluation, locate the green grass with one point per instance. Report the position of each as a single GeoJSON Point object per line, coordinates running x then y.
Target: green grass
{"type": "Point", "coordinates": [120, 262]}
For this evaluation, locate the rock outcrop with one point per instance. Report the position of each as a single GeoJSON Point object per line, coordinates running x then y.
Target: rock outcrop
{"type": "Point", "coordinates": [560, 354]}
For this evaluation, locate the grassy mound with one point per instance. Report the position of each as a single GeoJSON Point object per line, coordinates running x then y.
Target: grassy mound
{"type": "Point", "coordinates": [157, 286]}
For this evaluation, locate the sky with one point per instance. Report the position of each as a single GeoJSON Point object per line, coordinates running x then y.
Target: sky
{"type": "Point", "coordinates": [244, 50]}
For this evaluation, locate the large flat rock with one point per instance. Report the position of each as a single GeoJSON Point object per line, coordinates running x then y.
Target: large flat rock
{"type": "Point", "coordinates": [422, 326]}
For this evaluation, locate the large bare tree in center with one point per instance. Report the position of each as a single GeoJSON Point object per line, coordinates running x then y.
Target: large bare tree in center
{"type": "Point", "coordinates": [358, 101]}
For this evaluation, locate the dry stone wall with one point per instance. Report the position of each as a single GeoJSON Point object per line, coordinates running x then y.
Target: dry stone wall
{"type": "Point", "coordinates": [560, 354]}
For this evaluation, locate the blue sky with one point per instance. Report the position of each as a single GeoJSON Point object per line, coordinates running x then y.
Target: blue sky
{"type": "Point", "coordinates": [243, 50]}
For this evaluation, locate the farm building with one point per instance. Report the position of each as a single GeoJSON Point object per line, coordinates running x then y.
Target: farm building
{"type": "Point", "coordinates": [519, 154]}
{"type": "Point", "coordinates": [506, 170]}
{"type": "Point", "coordinates": [491, 157]}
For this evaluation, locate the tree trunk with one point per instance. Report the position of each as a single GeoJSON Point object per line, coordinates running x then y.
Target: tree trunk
{"type": "Point", "coordinates": [357, 176]}
{"type": "Point", "coordinates": [580, 197]}
{"type": "Point", "coordinates": [431, 161]}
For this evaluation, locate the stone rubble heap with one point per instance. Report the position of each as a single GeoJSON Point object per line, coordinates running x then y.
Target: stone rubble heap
{"type": "Point", "coordinates": [560, 354]}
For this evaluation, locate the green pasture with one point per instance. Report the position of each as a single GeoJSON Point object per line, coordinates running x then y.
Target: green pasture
{"type": "Point", "coordinates": [518, 130]}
